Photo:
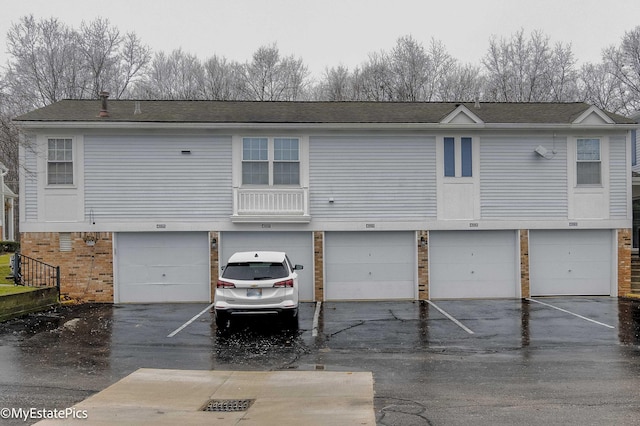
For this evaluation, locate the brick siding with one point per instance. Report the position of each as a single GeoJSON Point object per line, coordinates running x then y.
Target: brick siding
{"type": "Point", "coordinates": [624, 262]}
{"type": "Point", "coordinates": [86, 272]}
{"type": "Point", "coordinates": [423, 265]}
{"type": "Point", "coordinates": [318, 263]}
{"type": "Point", "coordinates": [525, 288]}
{"type": "Point", "coordinates": [215, 264]}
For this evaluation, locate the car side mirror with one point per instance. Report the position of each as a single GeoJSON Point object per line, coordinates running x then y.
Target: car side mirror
{"type": "Point", "coordinates": [298, 267]}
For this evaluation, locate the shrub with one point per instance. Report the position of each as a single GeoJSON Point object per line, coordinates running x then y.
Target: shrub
{"type": "Point", "coordinates": [9, 246]}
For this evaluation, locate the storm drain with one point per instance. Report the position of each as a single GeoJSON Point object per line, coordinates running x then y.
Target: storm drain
{"type": "Point", "coordinates": [228, 405]}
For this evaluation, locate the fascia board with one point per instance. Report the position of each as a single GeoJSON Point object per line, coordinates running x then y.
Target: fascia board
{"type": "Point", "coordinates": [56, 125]}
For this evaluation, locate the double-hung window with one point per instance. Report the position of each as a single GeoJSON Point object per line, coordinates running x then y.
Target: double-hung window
{"type": "Point", "coordinates": [60, 161]}
{"type": "Point", "coordinates": [588, 162]}
{"type": "Point", "coordinates": [458, 157]}
{"type": "Point", "coordinates": [270, 161]}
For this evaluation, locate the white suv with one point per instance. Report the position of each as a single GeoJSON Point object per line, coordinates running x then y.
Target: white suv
{"type": "Point", "coordinates": [257, 282]}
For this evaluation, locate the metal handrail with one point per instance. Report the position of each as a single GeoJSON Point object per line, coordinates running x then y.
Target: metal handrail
{"type": "Point", "coordinates": [32, 272]}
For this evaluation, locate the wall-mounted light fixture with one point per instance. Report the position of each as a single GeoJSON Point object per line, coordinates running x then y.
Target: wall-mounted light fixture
{"type": "Point", "coordinates": [214, 243]}
{"type": "Point", "coordinates": [90, 238]}
{"type": "Point", "coordinates": [423, 242]}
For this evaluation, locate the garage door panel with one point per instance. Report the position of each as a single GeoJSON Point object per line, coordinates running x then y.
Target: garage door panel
{"type": "Point", "coordinates": [470, 264]}
{"type": "Point", "coordinates": [369, 273]}
{"type": "Point", "coordinates": [570, 262]}
{"type": "Point", "coordinates": [368, 290]}
{"type": "Point", "coordinates": [297, 245]}
{"type": "Point", "coordinates": [162, 267]}
{"type": "Point", "coordinates": [370, 265]}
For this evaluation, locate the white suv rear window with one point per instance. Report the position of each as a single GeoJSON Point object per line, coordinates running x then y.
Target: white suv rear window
{"type": "Point", "coordinates": [255, 271]}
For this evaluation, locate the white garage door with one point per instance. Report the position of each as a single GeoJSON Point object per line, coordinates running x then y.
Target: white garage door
{"type": "Point", "coordinates": [570, 262]}
{"type": "Point", "coordinates": [156, 267]}
{"type": "Point", "coordinates": [370, 265]}
{"type": "Point", "coordinates": [297, 245]}
{"type": "Point", "coordinates": [472, 264]}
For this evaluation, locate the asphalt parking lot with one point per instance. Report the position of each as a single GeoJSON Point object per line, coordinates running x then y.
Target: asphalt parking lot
{"type": "Point", "coordinates": [542, 361]}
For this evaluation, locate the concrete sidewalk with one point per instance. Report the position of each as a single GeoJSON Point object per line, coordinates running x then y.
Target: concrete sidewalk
{"type": "Point", "coordinates": [170, 397]}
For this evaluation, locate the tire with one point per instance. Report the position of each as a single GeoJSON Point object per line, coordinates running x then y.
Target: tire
{"type": "Point", "coordinates": [222, 320]}
{"type": "Point", "coordinates": [290, 319]}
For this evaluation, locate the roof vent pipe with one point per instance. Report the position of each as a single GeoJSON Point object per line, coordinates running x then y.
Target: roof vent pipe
{"type": "Point", "coordinates": [104, 110]}
{"type": "Point", "coordinates": [136, 108]}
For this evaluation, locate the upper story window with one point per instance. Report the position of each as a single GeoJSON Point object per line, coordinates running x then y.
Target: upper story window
{"type": "Point", "coordinates": [458, 157]}
{"type": "Point", "coordinates": [270, 161]}
{"type": "Point", "coordinates": [588, 164]}
{"type": "Point", "coordinates": [60, 161]}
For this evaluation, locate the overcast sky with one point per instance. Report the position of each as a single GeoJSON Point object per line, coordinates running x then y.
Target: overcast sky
{"type": "Point", "coordinates": [333, 32]}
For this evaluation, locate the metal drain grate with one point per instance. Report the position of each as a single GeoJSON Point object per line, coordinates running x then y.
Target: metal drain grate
{"type": "Point", "coordinates": [228, 405]}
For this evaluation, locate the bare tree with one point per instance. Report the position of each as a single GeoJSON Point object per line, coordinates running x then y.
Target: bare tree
{"type": "Point", "coordinates": [623, 62]}
{"type": "Point", "coordinates": [463, 83]}
{"type": "Point", "coordinates": [599, 86]}
{"type": "Point", "coordinates": [268, 77]}
{"type": "Point", "coordinates": [179, 75]}
{"type": "Point", "coordinates": [50, 61]}
{"type": "Point", "coordinates": [112, 60]}
{"type": "Point", "coordinates": [222, 79]}
{"type": "Point", "coordinates": [522, 69]}
{"type": "Point", "coordinates": [374, 80]}
{"type": "Point", "coordinates": [336, 85]}
{"type": "Point", "coordinates": [410, 66]}
{"type": "Point", "coordinates": [45, 66]}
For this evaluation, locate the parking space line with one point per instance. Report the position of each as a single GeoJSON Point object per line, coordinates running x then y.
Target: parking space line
{"type": "Point", "coordinates": [456, 322]}
{"type": "Point", "coordinates": [572, 313]}
{"type": "Point", "coordinates": [179, 329]}
{"type": "Point", "coordinates": [316, 317]}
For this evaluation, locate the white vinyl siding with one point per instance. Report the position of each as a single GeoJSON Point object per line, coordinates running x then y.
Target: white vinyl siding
{"type": "Point", "coordinates": [372, 177]}
{"type": "Point", "coordinates": [517, 183]}
{"type": "Point", "coordinates": [30, 185]}
{"type": "Point", "coordinates": [151, 177]}
{"type": "Point", "coordinates": [618, 173]}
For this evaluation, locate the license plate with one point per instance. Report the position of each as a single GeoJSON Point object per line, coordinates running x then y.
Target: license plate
{"type": "Point", "coordinates": [254, 292]}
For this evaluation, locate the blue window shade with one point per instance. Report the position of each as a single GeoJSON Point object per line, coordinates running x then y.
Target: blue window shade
{"type": "Point", "coordinates": [449, 157]}
{"type": "Point", "coordinates": [465, 150]}
{"type": "Point", "coordinates": [634, 148]}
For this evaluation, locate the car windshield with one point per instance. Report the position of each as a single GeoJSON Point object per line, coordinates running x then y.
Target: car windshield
{"type": "Point", "coordinates": [254, 271]}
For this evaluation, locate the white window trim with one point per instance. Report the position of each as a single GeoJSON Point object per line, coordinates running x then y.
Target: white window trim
{"type": "Point", "coordinates": [572, 168]}
{"type": "Point", "coordinates": [593, 185]}
{"type": "Point", "coordinates": [442, 181]}
{"type": "Point", "coordinates": [579, 192]}
{"type": "Point", "coordinates": [74, 167]}
{"type": "Point", "coordinates": [46, 191]}
{"type": "Point", "coordinates": [303, 147]}
{"type": "Point", "coordinates": [475, 164]}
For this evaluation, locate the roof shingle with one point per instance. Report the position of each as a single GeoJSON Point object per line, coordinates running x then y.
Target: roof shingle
{"type": "Point", "coordinates": [162, 111]}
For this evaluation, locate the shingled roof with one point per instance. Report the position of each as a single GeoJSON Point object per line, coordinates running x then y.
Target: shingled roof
{"type": "Point", "coordinates": [162, 111]}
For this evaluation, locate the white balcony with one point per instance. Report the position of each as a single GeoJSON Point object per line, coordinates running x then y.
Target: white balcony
{"type": "Point", "coordinates": [271, 204]}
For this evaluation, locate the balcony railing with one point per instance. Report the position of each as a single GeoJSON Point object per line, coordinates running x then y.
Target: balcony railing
{"type": "Point", "coordinates": [272, 204]}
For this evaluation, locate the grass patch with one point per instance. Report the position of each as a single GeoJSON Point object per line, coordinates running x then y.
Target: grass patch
{"type": "Point", "coordinates": [5, 269]}
{"type": "Point", "coordinates": [14, 289]}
